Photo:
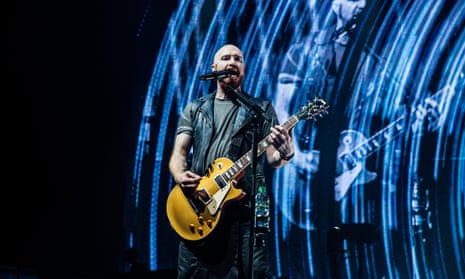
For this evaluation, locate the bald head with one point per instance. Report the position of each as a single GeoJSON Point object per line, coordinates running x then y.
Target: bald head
{"type": "Point", "coordinates": [228, 49]}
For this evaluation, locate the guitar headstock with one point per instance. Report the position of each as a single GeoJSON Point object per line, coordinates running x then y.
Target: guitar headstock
{"type": "Point", "coordinates": [313, 109]}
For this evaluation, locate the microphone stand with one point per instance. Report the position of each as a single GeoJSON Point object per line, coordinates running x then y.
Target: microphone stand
{"type": "Point", "coordinates": [256, 111]}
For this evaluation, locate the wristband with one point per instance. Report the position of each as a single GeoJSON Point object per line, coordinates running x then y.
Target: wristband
{"type": "Point", "coordinates": [288, 157]}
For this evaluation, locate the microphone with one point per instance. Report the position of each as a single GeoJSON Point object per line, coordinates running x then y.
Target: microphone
{"type": "Point", "coordinates": [218, 75]}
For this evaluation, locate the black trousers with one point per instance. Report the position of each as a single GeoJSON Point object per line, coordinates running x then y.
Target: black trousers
{"type": "Point", "coordinates": [225, 254]}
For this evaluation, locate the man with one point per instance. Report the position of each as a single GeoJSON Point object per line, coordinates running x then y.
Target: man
{"type": "Point", "coordinates": [215, 126]}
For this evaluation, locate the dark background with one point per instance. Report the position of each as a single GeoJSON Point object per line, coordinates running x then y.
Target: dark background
{"type": "Point", "coordinates": [76, 75]}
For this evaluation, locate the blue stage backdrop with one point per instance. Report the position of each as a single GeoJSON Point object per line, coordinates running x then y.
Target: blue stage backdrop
{"type": "Point", "coordinates": [384, 170]}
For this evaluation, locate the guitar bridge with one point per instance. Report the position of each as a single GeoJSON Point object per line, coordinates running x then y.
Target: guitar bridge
{"type": "Point", "coordinates": [208, 201]}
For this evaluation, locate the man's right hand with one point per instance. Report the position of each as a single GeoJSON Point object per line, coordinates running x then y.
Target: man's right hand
{"type": "Point", "coordinates": [187, 179]}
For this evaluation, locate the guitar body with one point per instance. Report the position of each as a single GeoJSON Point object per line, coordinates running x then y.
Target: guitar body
{"type": "Point", "coordinates": [194, 217]}
{"type": "Point", "coordinates": [350, 170]}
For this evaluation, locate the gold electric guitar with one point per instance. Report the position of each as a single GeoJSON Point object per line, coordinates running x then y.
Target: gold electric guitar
{"type": "Point", "coordinates": [195, 214]}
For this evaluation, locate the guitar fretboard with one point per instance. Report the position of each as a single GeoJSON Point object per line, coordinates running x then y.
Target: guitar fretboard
{"type": "Point", "coordinates": [378, 140]}
{"type": "Point", "coordinates": [318, 107]}
{"type": "Point", "coordinates": [243, 162]}
{"type": "Point", "coordinates": [393, 130]}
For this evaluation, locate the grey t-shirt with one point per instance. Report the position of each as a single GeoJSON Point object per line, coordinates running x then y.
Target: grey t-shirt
{"type": "Point", "coordinates": [225, 111]}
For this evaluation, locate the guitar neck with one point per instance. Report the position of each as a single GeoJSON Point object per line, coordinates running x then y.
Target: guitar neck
{"type": "Point", "coordinates": [393, 130]}
{"type": "Point", "coordinates": [243, 162]}
{"type": "Point", "coordinates": [378, 140]}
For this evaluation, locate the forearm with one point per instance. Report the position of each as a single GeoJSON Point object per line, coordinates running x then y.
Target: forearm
{"type": "Point", "coordinates": [178, 161]}
{"type": "Point", "coordinates": [177, 165]}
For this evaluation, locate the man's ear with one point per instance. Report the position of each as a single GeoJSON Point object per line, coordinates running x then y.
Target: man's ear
{"type": "Point", "coordinates": [213, 67]}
